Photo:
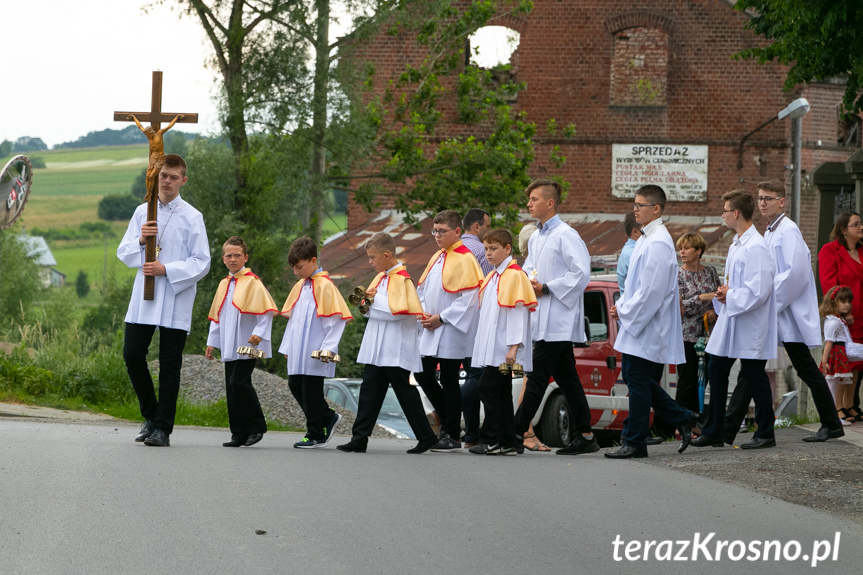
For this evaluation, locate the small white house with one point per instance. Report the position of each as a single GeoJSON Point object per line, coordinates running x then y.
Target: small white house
{"type": "Point", "coordinates": [38, 248]}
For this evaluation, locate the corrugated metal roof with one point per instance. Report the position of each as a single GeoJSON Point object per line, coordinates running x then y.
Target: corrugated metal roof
{"type": "Point", "coordinates": [38, 248]}
{"type": "Point", "coordinates": [344, 257]}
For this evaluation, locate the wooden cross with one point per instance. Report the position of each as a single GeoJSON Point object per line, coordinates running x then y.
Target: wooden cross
{"type": "Point", "coordinates": [155, 116]}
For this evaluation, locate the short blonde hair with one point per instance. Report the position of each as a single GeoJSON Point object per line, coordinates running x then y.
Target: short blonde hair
{"type": "Point", "coordinates": [692, 240]}
{"type": "Point", "coordinates": [381, 242]}
{"type": "Point", "coordinates": [524, 236]}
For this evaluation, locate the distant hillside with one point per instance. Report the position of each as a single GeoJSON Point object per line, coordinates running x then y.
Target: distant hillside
{"type": "Point", "coordinates": [128, 135]}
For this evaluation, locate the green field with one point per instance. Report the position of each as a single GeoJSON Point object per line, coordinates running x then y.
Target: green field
{"type": "Point", "coordinates": [101, 154]}
{"type": "Point", "coordinates": [100, 181]}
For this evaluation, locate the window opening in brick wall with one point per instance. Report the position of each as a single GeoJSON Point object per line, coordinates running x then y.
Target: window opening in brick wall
{"type": "Point", "coordinates": [639, 67]}
{"type": "Point", "coordinates": [493, 47]}
{"type": "Point", "coordinates": [848, 129]}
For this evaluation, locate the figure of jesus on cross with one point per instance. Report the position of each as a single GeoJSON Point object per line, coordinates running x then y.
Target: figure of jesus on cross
{"type": "Point", "coordinates": [156, 159]}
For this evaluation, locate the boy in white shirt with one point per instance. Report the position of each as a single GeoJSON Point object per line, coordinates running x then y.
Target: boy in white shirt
{"type": "Point", "coordinates": [503, 337]}
{"type": "Point", "coordinates": [389, 349]}
{"type": "Point", "coordinates": [242, 312]}
{"type": "Point", "coordinates": [746, 329]}
{"type": "Point", "coordinates": [317, 314]}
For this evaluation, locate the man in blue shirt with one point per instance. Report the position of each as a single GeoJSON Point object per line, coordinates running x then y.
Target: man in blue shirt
{"type": "Point", "coordinates": [632, 233]}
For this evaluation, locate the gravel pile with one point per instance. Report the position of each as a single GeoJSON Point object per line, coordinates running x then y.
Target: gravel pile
{"type": "Point", "coordinates": [203, 381]}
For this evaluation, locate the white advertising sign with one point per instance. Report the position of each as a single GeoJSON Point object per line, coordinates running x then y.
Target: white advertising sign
{"type": "Point", "coordinates": [680, 170]}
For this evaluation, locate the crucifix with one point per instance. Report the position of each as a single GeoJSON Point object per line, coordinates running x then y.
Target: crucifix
{"type": "Point", "coordinates": [157, 158]}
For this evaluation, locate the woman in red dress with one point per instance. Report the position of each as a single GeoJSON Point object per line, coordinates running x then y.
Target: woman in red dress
{"type": "Point", "coordinates": [839, 263]}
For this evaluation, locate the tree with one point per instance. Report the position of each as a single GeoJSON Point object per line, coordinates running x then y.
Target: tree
{"type": "Point", "coordinates": [818, 39]}
{"type": "Point", "coordinates": [20, 284]}
{"type": "Point", "coordinates": [5, 148]}
{"type": "Point", "coordinates": [82, 284]}
{"type": "Point", "coordinates": [117, 207]}
{"type": "Point", "coordinates": [27, 144]}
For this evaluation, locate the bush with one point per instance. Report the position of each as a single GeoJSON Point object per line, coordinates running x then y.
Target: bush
{"type": "Point", "coordinates": [82, 284]}
{"type": "Point", "coordinates": [37, 162]}
{"type": "Point", "coordinates": [117, 207]}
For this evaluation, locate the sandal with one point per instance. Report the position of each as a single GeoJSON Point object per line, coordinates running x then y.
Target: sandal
{"type": "Point", "coordinates": [844, 417]}
{"type": "Point", "coordinates": [854, 416]}
{"type": "Point", "coordinates": [536, 444]}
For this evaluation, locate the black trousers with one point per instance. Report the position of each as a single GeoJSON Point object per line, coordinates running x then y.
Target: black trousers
{"type": "Point", "coordinates": [445, 396]}
{"type": "Point", "coordinates": [495, 392]}
{"type": "Point", "coordinates": [759, 384]}
{"type": "Point", "coordinates": [687, 379]}
{"type": "Point", "coordinates": [806, 368]}
{"type": "Point", "coordinates": [553, 359]}
{"type": "Point", "coordinates": [160, 411]}
{"type": "Point", "coordinates": [308, 390]}
{"type": "Point", "coordinates": [642, 378]}
{"type": "Point", "coordinates": [470, 402]}
{"type": "Point", "coordinates": [244, 410]}
{"type": "Point", "coordinates": [373, 391]}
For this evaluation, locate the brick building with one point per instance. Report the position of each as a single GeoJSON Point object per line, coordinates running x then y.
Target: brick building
{"type": "Point", "coordinates": [655, 74]}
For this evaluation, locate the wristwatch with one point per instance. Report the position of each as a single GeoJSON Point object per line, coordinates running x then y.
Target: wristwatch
{"type": "Point", "coordinates": [545, 289]}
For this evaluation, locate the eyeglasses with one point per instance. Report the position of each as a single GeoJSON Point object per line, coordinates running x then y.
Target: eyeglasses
{"type": "Point", "coordinates": [438, 233]}
{"type": "Point", "coordinates": [638, 206]}
{"type": "Point", "coordinates": [726, 211]}
{"type": "Point", "coordinates": [765, 199]}
{"type": "Point", "coordinates": [857, 225]}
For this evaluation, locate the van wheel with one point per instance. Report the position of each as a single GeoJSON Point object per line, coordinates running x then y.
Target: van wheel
{"type": "Point", "coordinates": [555, 427]}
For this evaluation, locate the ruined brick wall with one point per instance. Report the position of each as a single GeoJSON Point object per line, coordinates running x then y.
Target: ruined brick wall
{"type": "Point", "coordinates": [650, 71]}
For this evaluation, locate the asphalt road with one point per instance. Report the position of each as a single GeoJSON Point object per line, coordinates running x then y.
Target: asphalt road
{"type": "Point", "coordinates": [79, 498]}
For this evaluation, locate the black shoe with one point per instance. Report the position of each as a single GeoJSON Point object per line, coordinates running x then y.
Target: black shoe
{"type": "Point", "coordinates": [447, 445]}
{"type": "Point", "coordinates": [685, 430]}
{"type": "Point", "coordinates": [146, 429]}
{"type": "Point", "coordinates": [423, 445]}
{"type": "Point", "coordinates": [253, 439]}
{"type": "Point", "coordinates": [357, 446]}
{"type": "Point", "coordinates": [579, 446]}
{"type": "Point", "coordinates": [759, 443]}
{"type": "Point", "coordinates": [307, 443]}
{"type": "Point", "coordinates": [484, 449]}
{"type": "Point", "coordinates": [654, 440]}
{"type": "Point", "coordinates": [158, 439]}
{"type": "Point", "coordinates": [627, 452]}
{"type": "Point", "coordinates": [824, 434]}
{"type": "Point", "coordinates": [704, 441]}
{"type": "Point", "coordinates": [331, 428]}
{"type": "Point", "coordinates": [236, 441]}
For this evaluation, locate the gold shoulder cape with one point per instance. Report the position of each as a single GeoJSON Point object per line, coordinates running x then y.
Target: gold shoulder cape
{"type": "Point", "coordinates": [513, 288]}
{"type": "Point", "coordinates": [250, 297]}
{"type": "Point", "coordinates": [401, 293]}
{"type": "Point", "coordinates": [327, 297]}
{"type": "Point", "coordinates": [460, 268]}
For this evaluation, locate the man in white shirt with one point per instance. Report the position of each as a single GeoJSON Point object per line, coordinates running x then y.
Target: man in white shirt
{"type": "Point", "coordinates": [651, 333]}
{"type": "Point", "coordinates": [746, 326]}
{"type": "Point", "coordinates": [797, 310]}
{"type": "Point", "coordinates": [182, 259]}
{"type": "Point", "coordinates": [558, 266]}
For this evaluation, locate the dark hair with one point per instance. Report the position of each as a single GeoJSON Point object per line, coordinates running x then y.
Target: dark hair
{"type": "Point", "coordinates": [448, 217]}
{"type": "Point", "coordinates": [550, 188]}
{"type": "Point", "coordinates": [500, 237]}
{"type": "Point", "coordinates": [834, 295]}
{"type": "Point", "coordinates": [381, 242]}
{"type": "Point", "coordinates": [175, 161]}
{"type": "Point", "coordinates": [742, 201]}
{"type": "Point", "coordinates": [653, 194]}
{"type": "Point", "coordinates": [236, 241]}
{"type": "Point", "coordinates": [629, 223]}
{"type": "Point", "coordinates": [774, 186]}
{"type": "Point", "coordinates": [473, 216]}
{"type": "Point", "coordinates": [302, 249]}
{"type": "Point", "coordinates": [838, 232]}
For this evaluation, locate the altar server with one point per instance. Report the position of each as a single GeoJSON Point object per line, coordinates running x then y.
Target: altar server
{"type": "Point", "coordinates": [317, 315]}
{"type": "Point", "coordinates": [797, 310]}
{"type": "Point", "coordinates": [182, 259]}
{"type": "Point", "coordinates": [503, 338]}
{"type": "Point", "coordinates": [558, 266]}
{"type": "Point", "coordinates": [448, 290]}
{"type": "Point", "coordinates": [651, 333]}
{"type": "Point", "coordinates": [241, 315]}
{"type": "Point", "coordinates": [389, 349]}
{"type": "Point", "coordinates": [747, 326]}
